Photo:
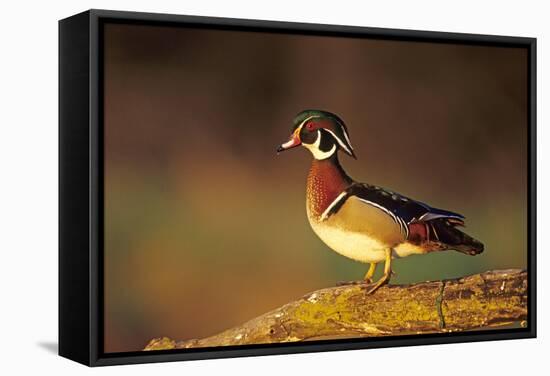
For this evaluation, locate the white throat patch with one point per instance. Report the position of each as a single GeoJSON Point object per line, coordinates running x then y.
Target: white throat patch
{"type": "Point", "coordinates": [316, 151]}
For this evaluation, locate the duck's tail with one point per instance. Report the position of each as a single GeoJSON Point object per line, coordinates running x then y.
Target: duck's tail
{"type": "Point", "coordinates": [447, 233]}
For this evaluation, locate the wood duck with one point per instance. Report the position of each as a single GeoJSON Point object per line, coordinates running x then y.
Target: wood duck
{"type": "Point", "coordinates": [365, 222]}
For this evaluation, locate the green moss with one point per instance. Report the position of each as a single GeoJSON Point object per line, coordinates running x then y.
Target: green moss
{"type": "Point", "coordinates": [163, 343]}
{"type": "Point", "coordinates": [347, 310]}
{"type": "Point", "coordinates": [478, 308]}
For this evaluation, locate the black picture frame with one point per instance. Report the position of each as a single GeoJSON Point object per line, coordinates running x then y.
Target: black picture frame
{"type": "Point", "coordinates": [81, 182]}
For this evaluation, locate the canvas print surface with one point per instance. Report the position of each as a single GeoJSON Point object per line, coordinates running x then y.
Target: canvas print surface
{"type": "Point", "coordinates": [265, 187]}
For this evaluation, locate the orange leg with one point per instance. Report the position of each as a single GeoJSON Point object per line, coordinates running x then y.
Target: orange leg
{"type": "Point", "coordinates": [370, 273]}
{"type": "Point", "coordinates": [386, 276]}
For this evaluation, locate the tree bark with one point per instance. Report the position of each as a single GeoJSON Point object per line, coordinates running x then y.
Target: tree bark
{"type": "Point", "coordinates": [485, 300]}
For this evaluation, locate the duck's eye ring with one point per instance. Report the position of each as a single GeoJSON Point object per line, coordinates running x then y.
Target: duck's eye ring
{"type": "Point", "coordinates": [309, 126]}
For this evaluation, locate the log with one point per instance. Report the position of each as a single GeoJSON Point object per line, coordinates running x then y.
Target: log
{"type": "Point", "coordinates": [487, 300]}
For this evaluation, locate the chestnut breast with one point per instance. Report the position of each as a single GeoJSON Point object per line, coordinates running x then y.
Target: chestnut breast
{"type": "Point", "coordinates": [326, 180]}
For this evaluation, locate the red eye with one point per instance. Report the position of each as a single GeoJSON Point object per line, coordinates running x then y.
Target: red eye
{"type": "Point", "coordinates": [309, 126]}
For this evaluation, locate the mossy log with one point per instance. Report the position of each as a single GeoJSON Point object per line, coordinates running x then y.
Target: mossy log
{"type": "Point", "coordinates": [485, 300]}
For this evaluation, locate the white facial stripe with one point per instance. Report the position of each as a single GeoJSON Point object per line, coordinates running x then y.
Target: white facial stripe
{"type": "Point", "coordinates": [345, 133]}
{"type": "Point", "coordinates": [318, 154]}
{"type": "Point", "coordinates": [296, 132]}
{"type": "Point", "coordinates": [306, 120]}
{"type": "Point", "coordinates": [290, 142]}
{"type": "Point", "coordinates": [347, 137]}
{"type": "Point", "coordinates": [316, 151]}
{"type": "Point", "coordinates": [342, 144]}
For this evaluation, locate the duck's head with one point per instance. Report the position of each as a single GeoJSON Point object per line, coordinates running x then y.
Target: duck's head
{"type": "Point", "coordinates": [321, 132]}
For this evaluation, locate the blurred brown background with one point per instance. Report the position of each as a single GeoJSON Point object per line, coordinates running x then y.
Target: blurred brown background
{"type": "Point", "coordinates": [205, 227]}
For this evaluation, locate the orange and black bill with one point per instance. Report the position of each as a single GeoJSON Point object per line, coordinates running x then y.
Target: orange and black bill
{"type": "Point", "coordinates": [292, 142]}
